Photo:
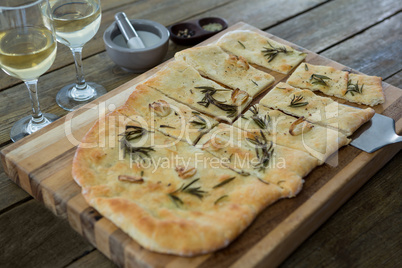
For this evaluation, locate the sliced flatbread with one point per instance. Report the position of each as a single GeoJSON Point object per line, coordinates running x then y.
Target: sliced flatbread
{"type": "Point", "coordinates": [153, 110]}
{"type": "Point", "coordinates": [316, 109]}
{"type": "Point", "coordinates": [326, 79]}
{"type": "Point", "coordinates": [173, 199]}
{"type": "Point", "coordinates": [184, 84]}
{"type": "Point", "coordinates": [254, 154]}
{"type": "Point", "coordinates": [285, 130]}
{"type": "Point", "coordinates": [364, 89]}
{"type": "Point", "coordinates": [261, 50]}
{"type": "Point", "coordinates": [233, 71]}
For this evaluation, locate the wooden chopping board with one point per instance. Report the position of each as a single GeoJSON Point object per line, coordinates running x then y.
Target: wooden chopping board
{"type": "Point", "coordinates": [41, 165]}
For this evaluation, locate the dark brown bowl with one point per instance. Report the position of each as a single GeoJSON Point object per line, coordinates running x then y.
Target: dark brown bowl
{"type": "Point", "coordinates": [195, 27]}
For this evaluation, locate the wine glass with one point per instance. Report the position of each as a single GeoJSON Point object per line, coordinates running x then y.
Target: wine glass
{"type": "Point", "coordinates": [75, 23]}
{"type": "Point", "coordinates": [27, 50]}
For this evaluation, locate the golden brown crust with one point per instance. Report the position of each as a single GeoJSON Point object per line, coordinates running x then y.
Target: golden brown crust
{"type": "Point", "coordinates": [146, 210]}
{"type": "Point", "coordinates": [184, 84]}
{"type": "Point", "coordinates": [230, 70]}
{"type": "Point", "coordinates": [251, 45]}
{"type": "Point", "coordinates": [320, 110]}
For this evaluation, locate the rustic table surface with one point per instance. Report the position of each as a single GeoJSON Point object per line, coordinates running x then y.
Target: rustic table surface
{"type": "Point", "coordinates": [362, 34]}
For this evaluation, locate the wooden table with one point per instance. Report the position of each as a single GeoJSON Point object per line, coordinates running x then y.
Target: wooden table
{"type": "Point", "coordinates": [362, 34]}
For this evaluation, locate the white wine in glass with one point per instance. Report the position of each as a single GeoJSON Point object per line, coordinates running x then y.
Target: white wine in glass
{"type": "Point", "coordinates": [27, 50]}
{"type": "Point", "coordinates": [75, 23]}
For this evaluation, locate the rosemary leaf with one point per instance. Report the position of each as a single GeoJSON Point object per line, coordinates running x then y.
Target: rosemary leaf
{"type": "Point", "coordinates": [166, 126]}
{"type": "Point", "coordinates": [242, 44]}
{"type": "Point", "coordinates": [255, 83]}
{"type": "Point", "coordinates": [220, 199]}
{"type": "Point", "coordinates": [196, 191]}
{"type": "Point", "coordinates": [319, 79]}
{"type": "Point", "coordinates": [297, 101]}
{"type": "Point", "coordinates": [201, 123]}
{"type": "Point", "coordinates": [177, 201]}
{"type": "Point", "coordinates": [271, 52]}
{"type": "Point", "coordinates": [354, 88]}
{"type": "Point", "coordinates": [305, 67]}
{"type": "Point", "coordinates": [223, 182]}
{"type": "Point", "coordinates": [208, 99]}
{"type": "Point", "coordinates": [263, 181]}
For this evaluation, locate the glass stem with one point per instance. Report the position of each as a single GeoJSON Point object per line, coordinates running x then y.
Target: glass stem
{"type": "Point", "coordinates": [79, 68]}
{"type": "Point", "coordinates": [37, 116]}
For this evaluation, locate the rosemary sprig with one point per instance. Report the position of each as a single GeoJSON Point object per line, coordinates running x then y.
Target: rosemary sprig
{"type": "Point", "coordinates": [319, 79]}
{"type": "Point", "coordinates": [208, 99]}
{"type": "Point", "coordinates": [242, 44]}
{"type": "Point", "coordinates": [262, 122]}
{"type": "Point", "coordinates": [354, 88]}
{"type": "Point", "coordinates": [194, 190]}
{"type": "Point", "coordinates": [271, 52]}
{"type": "Point", "coordinates": [297, 101]}
{"type": "Point", "coordinates": [201, 122]}
{"type": "Point", "coordinates": [223, 182]}
{"type": "Point", "coordinates": [220, 199]}
{"type": "Point", "coordinates": [263, 150]}
{"type": "Point", "coordinates": [132, 133]}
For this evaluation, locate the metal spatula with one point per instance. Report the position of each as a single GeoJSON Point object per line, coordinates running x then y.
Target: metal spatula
{"type": "Point", "coordinates": [375, 134]}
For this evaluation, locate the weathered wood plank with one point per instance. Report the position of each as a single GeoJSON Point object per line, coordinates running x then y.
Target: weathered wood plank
{"type": "Point", "coordinates": [396, 79]}
{"type": "Point", "coordinates": [385, 41]}
{"type": "Point", "coordinates": [261, 13]}
{"type": "Point", "coordinates": [31, 236]}
{"type": "Point", "coordinates": [363, 230]}
{"type": "Point", "coordinates": [334, 21]}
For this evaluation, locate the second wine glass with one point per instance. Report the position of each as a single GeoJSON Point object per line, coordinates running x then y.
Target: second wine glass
{"type": "Point", "coordinates": [75, 23]}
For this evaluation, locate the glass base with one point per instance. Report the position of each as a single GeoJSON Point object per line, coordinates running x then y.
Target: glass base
{"type": "Point", "coordinates": [25, 126]}
{"type": "Point", "coordinates": [70, 98]}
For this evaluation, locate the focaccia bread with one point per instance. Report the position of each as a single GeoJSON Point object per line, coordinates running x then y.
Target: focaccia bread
{"type": "Point", "coordinates": [184, 84]}
{"type": "Point", "coordinates": [153, 110]}
{"type": "Point", "coordinates": [166, 194]}
{"type": "Point", "coordinates": [364, 89]}
{"type": "Point", "coordinates": [261, 50]}
{"type": "Point", "coordinates": [321, 78]}
{"type": "Point", "coordinates": [296, 133]}
{"type": "Point", "coordinates": [316, 109]}
{"type": "Point", "coordinates": [356, 88]}
{"type": "Point", "coordinates": [233, 71]}
{"type": "Point", "coordinates": [253, 154]}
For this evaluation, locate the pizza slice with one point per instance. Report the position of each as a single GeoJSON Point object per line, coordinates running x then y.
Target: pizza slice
{"type": "Point", "coordinates": [169, 196]}
{"type": "Point", "coordinates": [254, 154]}
{"type": "Point", "coordinates": [364, 89]}
{"type": "Point", "coordinates": [230, 70]}
{"type": "Point", "coordinates": [153, 110]}
{"type": "Point", "coordinates": [296, 133]}
{"type": "Point", "coordinates": [184, 84]}
{"type": "Point", "coordinates": [261, 50]}
{"type": "Point", "coordinates": [316, 109]}
{"type": "Point", "coordinates": [319, 78]}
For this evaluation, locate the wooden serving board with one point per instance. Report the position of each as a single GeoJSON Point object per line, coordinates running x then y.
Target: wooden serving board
{"type": "Point", "coordinates": [41, 165]}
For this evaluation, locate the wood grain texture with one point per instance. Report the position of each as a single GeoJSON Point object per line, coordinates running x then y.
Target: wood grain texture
{"type": "Point", "coordinates": [385, 40]}
{"type": "Point", "coordinates": [358, 222]}
{"type": "Point", "coordinates": [284, 225]}
{"type": "Point", "coordinates": [336, 21]}
{"type": "Point", "coordinates": [50, 236]}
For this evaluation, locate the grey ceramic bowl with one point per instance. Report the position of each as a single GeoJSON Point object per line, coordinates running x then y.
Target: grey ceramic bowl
{"type": "Point", "coordinates": [137, 60]}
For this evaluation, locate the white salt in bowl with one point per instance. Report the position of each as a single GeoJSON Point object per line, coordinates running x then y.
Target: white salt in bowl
{"type": "Point", "coordinates": [155, 37]}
